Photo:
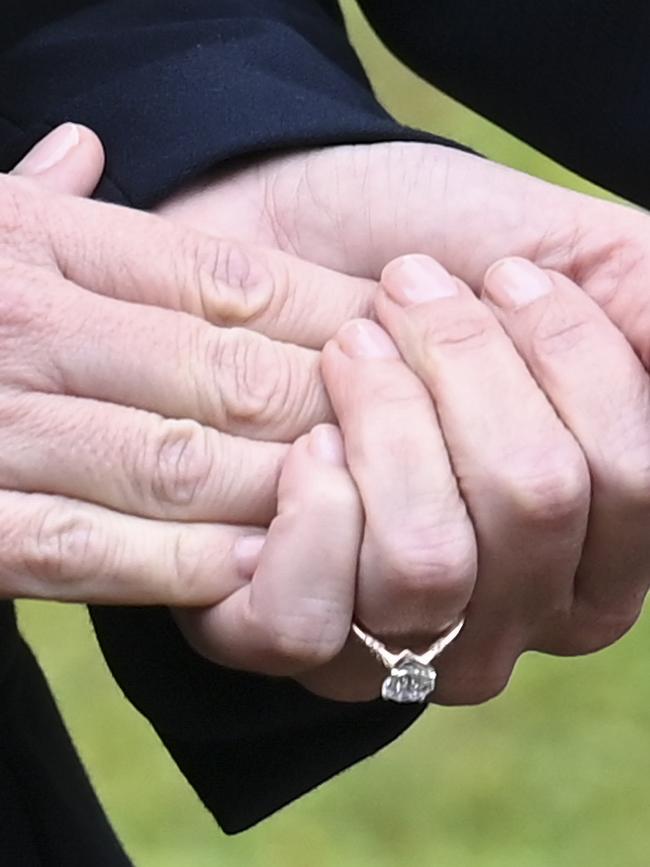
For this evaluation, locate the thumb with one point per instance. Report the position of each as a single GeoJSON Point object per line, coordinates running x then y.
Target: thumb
{"type": "Point", "coordinates": [70, 159]}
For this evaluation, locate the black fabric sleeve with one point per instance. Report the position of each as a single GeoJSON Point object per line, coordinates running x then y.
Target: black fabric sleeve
{"type": "Point", "coordinates": [49, 814]}
{"type": "Point", "coordinates": [247, 744]}
{"type": "Point", "coordinates": [174, 88]}
{"type": "Point", "coordinates": [570, 77]}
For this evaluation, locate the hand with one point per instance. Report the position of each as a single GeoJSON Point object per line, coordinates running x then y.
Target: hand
{"type": "Point", "coordinates": [355, 208]}
{"type": "Point", "coordinates": [394, 237]}
{"type": "Point", "coordinates": [293, 612]}
{"type": "Point", "coordinates": [391, 199]}
{"type": "Point", "coordinates": [119, 461]}
{"type": "Point", "coordinates": [545, 413]}
{"type": "Point", "coordinates": [509, 491]}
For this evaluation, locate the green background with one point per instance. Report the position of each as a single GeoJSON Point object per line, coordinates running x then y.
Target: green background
{"type": "Point", "coordinates": [554, 772]}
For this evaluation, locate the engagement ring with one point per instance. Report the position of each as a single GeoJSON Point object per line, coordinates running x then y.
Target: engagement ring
{"type": "Point", "coordinates": [412, 678]}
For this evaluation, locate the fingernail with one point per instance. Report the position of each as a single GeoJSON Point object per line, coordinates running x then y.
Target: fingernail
{"type": "Point", "coordinates": [513, 283]}
{"type": "Point", "coordinates": [247, 553]}
{"type": "Point", "coordinates": [364, 339]}
{"type": "Point", "coordinates": [326, 444]}
{"type": "Point", "coordinates": [50, 151]}
{"type": "Point", "coordinates": [417, 280]}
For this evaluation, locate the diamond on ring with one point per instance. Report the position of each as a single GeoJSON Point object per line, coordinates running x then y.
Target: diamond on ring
{"type": "Point", "coordinates": [412, 678]}
{"type": "Point", "coordinates": [409, 682]}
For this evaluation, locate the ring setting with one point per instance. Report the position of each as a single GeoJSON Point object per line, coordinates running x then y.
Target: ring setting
{"type": "Point", "coordinates": [412, 678]}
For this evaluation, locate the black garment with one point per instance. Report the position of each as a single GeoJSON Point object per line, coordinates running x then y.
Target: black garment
{"type": "Point", "coordinates": [205, 81]}
{"type": "Point", "coordinates": [48, 811]}
{"type": "Point", "coordinates": [570, 77]}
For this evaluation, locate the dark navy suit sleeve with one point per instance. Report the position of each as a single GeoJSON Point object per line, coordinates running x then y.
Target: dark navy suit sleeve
{"type": "Point", "coordinates": [247, 744]}
{"type": "Point", "coordinates": [174, 88]}
{"type": "Point", "coordinates": [570, 77]}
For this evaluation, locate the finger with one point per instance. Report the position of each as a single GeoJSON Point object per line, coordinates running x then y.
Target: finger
{"type": "Point", "coordinates": [67, 551]}
{"type": "Point", "coordinates": [521, 473]}
{"type": "Point", "coordinates": [225, 282]}
{"type": "Point", "coordinates": [296, 612]}
{"type": "Point", "coordinates": [415, 197]}
{"type": "Point", "coordinates": [418, 559]}
{"type": "Point", "coordinates": [70, 159]}
{"type": "Point", "coordinates": [170, 363]}
{"type": "Point", "coordinates": [601, 391]}
{"type": "Point", "coordinates": [136, 462]}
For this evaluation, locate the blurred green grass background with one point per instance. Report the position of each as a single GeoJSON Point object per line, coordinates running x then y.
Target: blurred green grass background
{"type": "Point", "coordinates": [554, 772]}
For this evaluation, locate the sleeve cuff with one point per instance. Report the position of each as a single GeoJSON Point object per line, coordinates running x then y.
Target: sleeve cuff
{"type": "Point", "coordinates": [247, 744]}
{"type": "Point", "coordinates": [172, 96]}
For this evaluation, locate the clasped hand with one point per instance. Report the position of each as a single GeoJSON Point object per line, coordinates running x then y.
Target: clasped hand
{"type": "Point", "coordinates": [492, 454]}
{"type": "Point", "coordinates": [484, 441]}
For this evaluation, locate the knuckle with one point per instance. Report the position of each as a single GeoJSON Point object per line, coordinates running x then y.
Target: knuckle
{"type": "Point", "coordinates": [397, 393]}
{"type": "Point", "coordinates": [181, 462]}
{"type": "Point", "coordinates": [15, 205]}
{"type": "Point", "coordinates": [255, 379]}
{"type": "Point", "coordinates": [558, 331]}
{"type": "Point", "coordinates": [64, 546]}
{"type": "Point", "coordinates": [21, 226]}
{"type": "Point", "coordinates": [420, 561]}
{"type": "Point", "coordinates": [312, 634]}
{"type": "Point", "coordinates": [309, 640]}
{"type": "Point", "coordinates": [235, 283]}
{"type": "Point", "coordinates": [29, 325]}
{"type": "Point", "coordinates": [234, 265]}
{"type": "Point", "coordinates": [596, 629]}
{"type": "Point", "coordinates": [626, 473]}
{"type": "Point", "coordinates": [326, 496]}
{"type": "Point", "coordinates": [549, 488]}
{"type": "Point", "coordinates": [18, 312]}
{"type": "Point", "coordinates": [464, 333]}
